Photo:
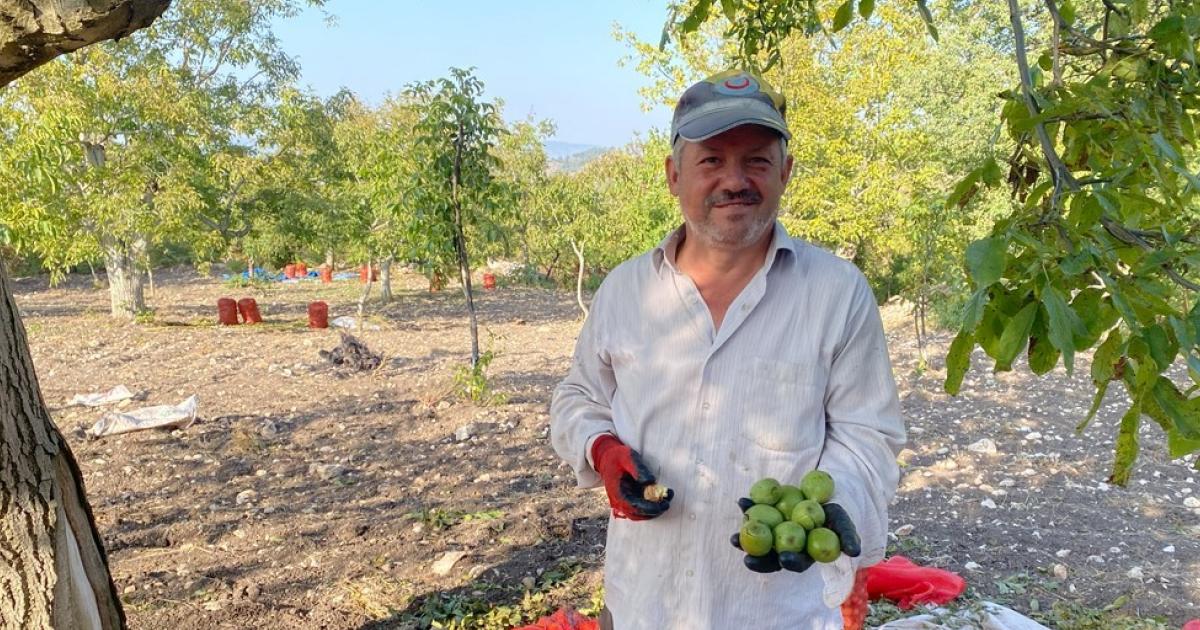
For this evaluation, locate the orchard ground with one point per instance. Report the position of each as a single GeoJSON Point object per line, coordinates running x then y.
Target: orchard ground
{"type": "Point", "coordinates": [307, 496]}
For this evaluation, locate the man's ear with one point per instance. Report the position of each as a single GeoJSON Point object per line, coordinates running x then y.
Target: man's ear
{"type": "Point", "coordinates": [788, 162]}
{"type": "Point", "coordinates": [672, 175]}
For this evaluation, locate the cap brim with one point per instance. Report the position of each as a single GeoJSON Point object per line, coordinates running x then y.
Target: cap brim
{"type": "Point", "coordinates": [719, 122]}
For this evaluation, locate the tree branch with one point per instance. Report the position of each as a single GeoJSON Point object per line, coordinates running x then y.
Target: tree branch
{"type": "Point", "coordinates": [1123, 234]}
{"type": "Point", "coordinates": [36, 32]}
{"type": "Point", "coordinates": [1059, 173]}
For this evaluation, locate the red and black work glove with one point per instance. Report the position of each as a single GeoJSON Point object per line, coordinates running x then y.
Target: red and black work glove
{"type": "Point", "coordinates": [626, 478]}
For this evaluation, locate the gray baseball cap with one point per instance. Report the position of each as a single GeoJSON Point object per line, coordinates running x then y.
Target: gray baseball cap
{"type": "Point", "coordinates": [727, 100]}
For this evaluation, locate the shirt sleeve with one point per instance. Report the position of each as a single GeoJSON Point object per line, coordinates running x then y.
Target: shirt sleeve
{"type": "Point", "coordinates": [581, 408]}
{"type": "Point", "coordinates": [864, 426]}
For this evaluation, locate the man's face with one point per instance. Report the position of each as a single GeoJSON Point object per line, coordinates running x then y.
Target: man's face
{"type": "Point", "coordinates": [729, 186]}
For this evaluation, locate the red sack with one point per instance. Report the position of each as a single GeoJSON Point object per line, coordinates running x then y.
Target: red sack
{"type": "Point", "coordinates": [898, 579]}
{"type": "Point", "coordinates": [318, 315]}
{"type": "Point", "coordinates": [227, 311]}
{"type": "Point", "coordinates": [249, 310]}
{"type": "Point", "coordinates": [564, 619]}
{"type": "Point", "coordinates": [856, 607]}
{"type": "Point", "coordinates": [1192, 625]}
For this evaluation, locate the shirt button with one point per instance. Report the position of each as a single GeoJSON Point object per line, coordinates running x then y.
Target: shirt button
{"type": "Point", "coordinates": [689, 573]}
{"type": "Point", "coordinates": [692, 516]}
{"type": "Point", "coordinates": [745, 307]}
{"type": "Point", "coordinates": [705, 406]}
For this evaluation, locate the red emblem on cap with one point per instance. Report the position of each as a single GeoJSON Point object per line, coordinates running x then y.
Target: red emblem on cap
{"type": "Point", "coordinates": [738, 83]}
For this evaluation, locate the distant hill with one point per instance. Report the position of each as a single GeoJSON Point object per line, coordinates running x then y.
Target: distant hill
{"type": "Point", "coordinates": [569, 157]}
{"type": "Point", "coordinates": [556, 149]}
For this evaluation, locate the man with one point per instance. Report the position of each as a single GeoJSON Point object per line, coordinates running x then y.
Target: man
{"type": "Point", "coordinates": [729, 353]}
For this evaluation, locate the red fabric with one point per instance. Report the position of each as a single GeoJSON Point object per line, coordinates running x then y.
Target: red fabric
{"type": "Point", "coordinates": [564, 619]}
{"type": "Point", "coordinates": [898, 579]}
{"type": "Point", "coordinates": [249, 310]}
{"type": "Point", "coordinates": [1192, 625]}
{"type": "Point", "coordinates": [227, 311]}
{"type": "Point", "coordinates": [613, 460]}
{"type": "Point", "coordinates": [318, 315]}
{"type": "Point", "coordinates": [857, 606]}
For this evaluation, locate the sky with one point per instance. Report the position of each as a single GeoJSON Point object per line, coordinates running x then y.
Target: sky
{"type": "Point", "coordinates": [554, 59]}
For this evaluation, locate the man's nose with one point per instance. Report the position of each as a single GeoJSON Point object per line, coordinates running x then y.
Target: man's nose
{"type": "Point", "coordinates": [734, 177]}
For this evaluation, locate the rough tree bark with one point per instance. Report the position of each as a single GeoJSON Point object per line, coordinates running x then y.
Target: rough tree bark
{"type": "Point", "coordinates": [53, 571]}
{"type": "Point", "coordinates": [125, 281]}
{"type": "Point", "coordinates": [33, 32]}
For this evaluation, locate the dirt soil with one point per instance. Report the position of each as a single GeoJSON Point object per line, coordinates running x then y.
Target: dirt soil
{"type": "Point", "coordinates": [311, 496]}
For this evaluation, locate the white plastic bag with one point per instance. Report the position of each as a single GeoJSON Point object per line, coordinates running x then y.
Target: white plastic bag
{"type": "Point", "coordinates": [116, 394]}
{"type": "Point", "coordinates": [179, 416]}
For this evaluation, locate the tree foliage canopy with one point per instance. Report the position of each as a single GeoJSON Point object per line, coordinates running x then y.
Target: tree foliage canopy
{"type": "Point", "coordinates": [1098, 247]}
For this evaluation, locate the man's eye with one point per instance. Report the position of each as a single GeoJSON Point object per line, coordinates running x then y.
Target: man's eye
{"type": "Point", "coordinates": [710, 160]}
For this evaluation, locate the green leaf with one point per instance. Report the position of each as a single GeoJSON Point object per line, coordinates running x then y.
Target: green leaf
{"type": "Point", "coordinates": [1118, 299]}
{"type": "Point", "coordinates": [986, 260]}
{"type": "Point", "coordinates": [1096, 315]}
{"type": "Point", "coordinates": [1076, 263]}
{"type": "Point", "coordinates": [1127, 446]}
{"type": "Point", "coordinates": [1067, 11]}
{"type": "Point", "coordinates": [1168, 30]}
{"type": "Point", "coordinates": [1162, 350]}
{"type": "Point", "coordinates": [697, 17]}
{"type": "Point", "coordinates": [1064, 325]}
{"type": "Point", "coordinates": [1085, 211]}
{"type": "Point", "coordinates": [964, 189]}
{"type": "Point", "coordinates": [1015, 336]}
{"type": "Point", "coordinates": [1183, 333]}
{"type": "Point", "coordinates": [958, 361]}
{"type": "Point", "coordinates": [1045, 62]}
{"type": "Point", "coordinates": [1042, 355]}
{"type": "Point", "coordinates": [866, 8]}
{"type": "Point", "coordinates": [1105, 358]}
{"type": "Point", "coordinates": [1096, 400]}
{"type": "Point", "coordinates": [1178, 446]}
{"type": "Point", "coordinates": [973, 311]}
{"type": "Point", "coordinates": [990, 172]}
{"type": "Point", "coordinates": [729, 8]}
{"type": "Point", "coordinates": [843, 15]}
{"type": "Point", "coordinates": [1164, 146]}
{"type": "Point", "coordinates": [1183, 413]}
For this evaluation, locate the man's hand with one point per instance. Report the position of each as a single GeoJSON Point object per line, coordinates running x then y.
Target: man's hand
{"type": "Point", "coordinates": [626, 478]}
{"type": "Point", "coordinates": [839, 521]}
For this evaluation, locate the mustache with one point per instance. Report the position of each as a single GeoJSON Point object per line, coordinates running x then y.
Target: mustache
{"type": "Point", "coordinates": [745, 195]}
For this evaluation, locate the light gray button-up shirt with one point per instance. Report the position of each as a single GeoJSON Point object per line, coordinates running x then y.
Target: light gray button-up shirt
{"type": "Point", "coordinates": [797, 377]}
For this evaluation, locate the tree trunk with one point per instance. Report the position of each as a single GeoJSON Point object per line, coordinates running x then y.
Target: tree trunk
{"type": "Point", "coordinates": [578, 248]}
{"type": "Point", "coordinates": [54, 573]}
{"type": "Point", "coordinates": [362, 299]}
{"type": "Point", "coordinates": [464, 272]}
{"type": "Point", "coordinates": [36, 31]}
{"type": "Point", "coordinates": [329, 259]}
{"type": "Point", "coordinates": [385, 280]}
{"type": "Point", "coordinates": [125, 285]}
{"type": "Point", "coordinates": [460, 246]}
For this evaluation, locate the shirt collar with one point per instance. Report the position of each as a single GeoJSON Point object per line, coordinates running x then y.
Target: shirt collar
{"type": "Point", "coordinates": [664, 253]}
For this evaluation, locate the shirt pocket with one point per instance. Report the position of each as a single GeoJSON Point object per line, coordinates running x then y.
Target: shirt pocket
{"type": "Point", "coordinates": [784, 408]}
